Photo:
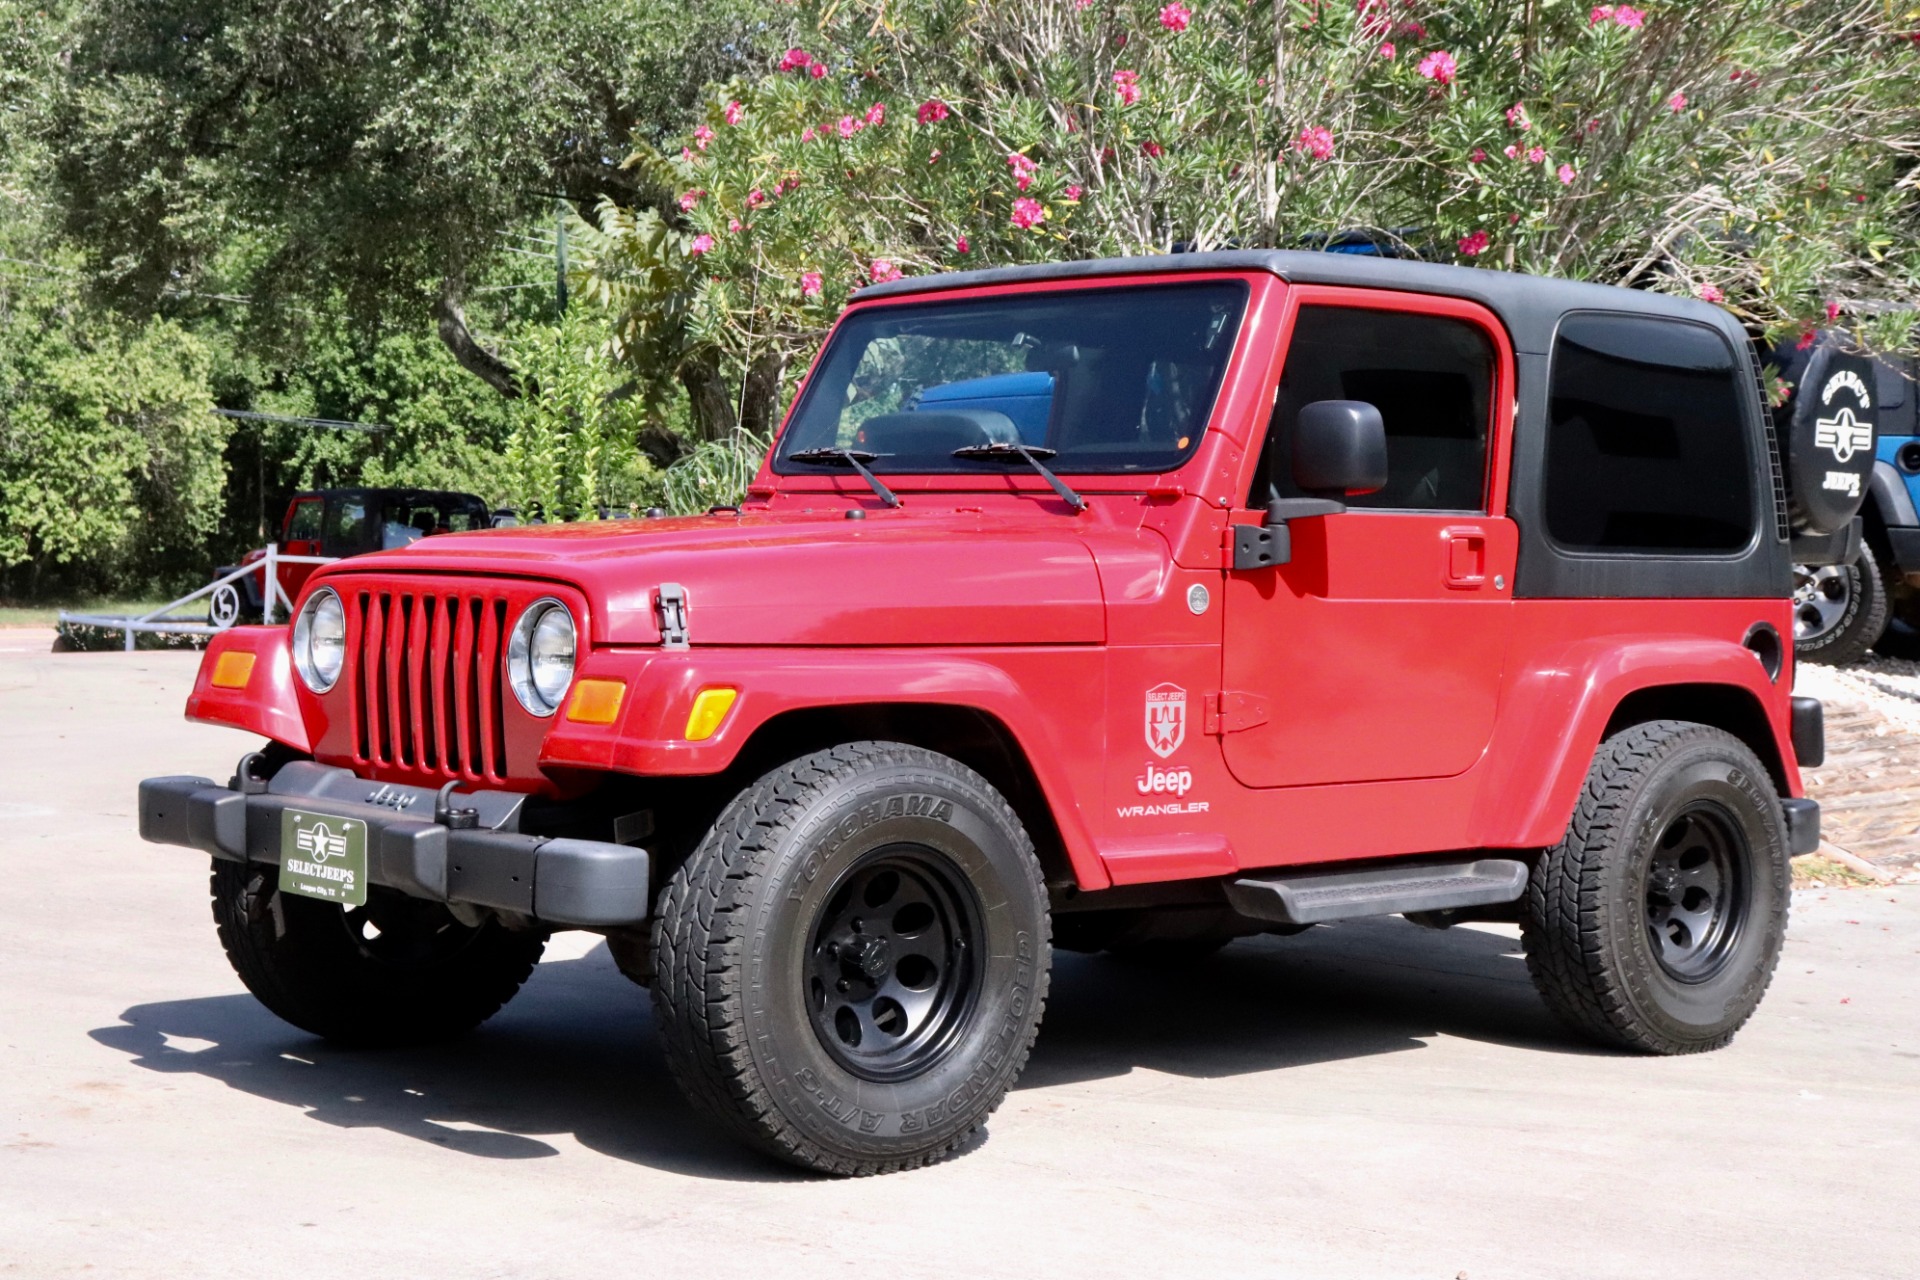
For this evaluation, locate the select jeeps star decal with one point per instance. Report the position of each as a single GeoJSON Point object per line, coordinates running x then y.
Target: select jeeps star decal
{"type": "Point", "coordinates": [1843, 434]}
{"type": "Point", "coordinates": [1166, 719]}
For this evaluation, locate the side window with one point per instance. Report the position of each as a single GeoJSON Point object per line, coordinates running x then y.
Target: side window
{"type": "Point", "coordinates": [303, 524]}
{"type": "Point", "coordinates": [1647, 445]}
{"type": "Point", "coordinates": [1431, 377]}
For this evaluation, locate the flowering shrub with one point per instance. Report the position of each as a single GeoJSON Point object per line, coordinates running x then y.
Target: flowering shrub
{"type": "Point", "coordinates": [1735, 150]}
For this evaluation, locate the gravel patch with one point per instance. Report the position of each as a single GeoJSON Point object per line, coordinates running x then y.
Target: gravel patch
{"type": "Point", "coordinates": [1868, 789]}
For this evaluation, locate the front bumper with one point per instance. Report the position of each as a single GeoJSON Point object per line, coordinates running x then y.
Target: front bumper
{"type": "Point", "coordinates": [558, 881]}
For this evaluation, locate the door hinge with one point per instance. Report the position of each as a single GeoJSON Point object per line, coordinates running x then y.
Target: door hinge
{"type": "Point", "coordinates": [1231, 711]}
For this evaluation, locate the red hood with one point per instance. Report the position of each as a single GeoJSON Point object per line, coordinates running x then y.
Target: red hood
{"type": "Point", "coordinates": [791, 578]}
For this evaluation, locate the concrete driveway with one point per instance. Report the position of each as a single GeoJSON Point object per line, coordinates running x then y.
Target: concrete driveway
{"type": "Point", "coordinates": [1370, 1099]}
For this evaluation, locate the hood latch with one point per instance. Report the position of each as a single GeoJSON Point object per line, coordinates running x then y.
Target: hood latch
{"type": "Point", "coordinates": [671, 606]}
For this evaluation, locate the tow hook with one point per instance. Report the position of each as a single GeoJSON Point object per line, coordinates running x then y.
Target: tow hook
{"type": "Point", "coordinates": [449, 817]}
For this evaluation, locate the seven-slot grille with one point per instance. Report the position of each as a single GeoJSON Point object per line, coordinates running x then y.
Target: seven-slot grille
{"type": "Point", "coordinates": [424, 680]}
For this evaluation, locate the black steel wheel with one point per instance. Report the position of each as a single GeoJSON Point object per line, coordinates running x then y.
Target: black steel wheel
{"type": "Point", "coordinates": [850, 969]}
{"type": "Point", "coordinates": [396, 971]}
{"type": "Point", "coordinates": [1656, 922]}
{"type": "Point", "coordinates": [893, 953]}
{"type": "Point", "coordinates": [1695, 895]}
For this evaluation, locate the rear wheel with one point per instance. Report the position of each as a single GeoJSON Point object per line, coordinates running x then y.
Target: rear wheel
{"type": "Point", "coordinates": [398, 970]}
{"type": "Point", "coordinates": [1840, 610]}
{"type": "Point", "coordinates": [849, 971]}
{"type": "Point", "coordinates": [1656, 922]}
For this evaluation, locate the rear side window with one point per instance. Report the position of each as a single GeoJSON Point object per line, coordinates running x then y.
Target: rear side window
{"type": "Point", "coordinates": [1647, 447]}
{"type": "Point", "coordinates": [1431, 377]}
{"type": "Point", "coordinates": [304, 524]}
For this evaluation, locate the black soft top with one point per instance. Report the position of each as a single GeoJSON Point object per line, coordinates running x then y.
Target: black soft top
{"type": "Point", "coordinates": [1529, 306]}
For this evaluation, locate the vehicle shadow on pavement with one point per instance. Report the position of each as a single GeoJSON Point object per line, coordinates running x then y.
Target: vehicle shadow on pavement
{"type": "Point", "coordinates": [575, 1052]}
{"type": "Point", "coordinates": [1348, 990]}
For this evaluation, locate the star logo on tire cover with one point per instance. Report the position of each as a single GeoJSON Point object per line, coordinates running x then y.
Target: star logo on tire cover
{"type": "Point", "coordinates": [1842, 435]}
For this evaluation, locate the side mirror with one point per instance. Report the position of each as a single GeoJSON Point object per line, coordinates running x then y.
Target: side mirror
{"type": "Point", "coordinates": [1339, 449]}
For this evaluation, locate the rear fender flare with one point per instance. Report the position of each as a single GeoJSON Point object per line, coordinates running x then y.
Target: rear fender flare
{"type": "Point", "coordinates": [1557, 712]}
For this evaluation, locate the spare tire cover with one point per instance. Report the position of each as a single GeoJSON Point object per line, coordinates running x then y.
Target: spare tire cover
{"type": "Point", "coordinates": [1828, 432]}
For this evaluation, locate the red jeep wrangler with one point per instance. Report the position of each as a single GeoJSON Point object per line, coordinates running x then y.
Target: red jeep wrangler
{"type": "Point", "coordinates": [1120, 605]}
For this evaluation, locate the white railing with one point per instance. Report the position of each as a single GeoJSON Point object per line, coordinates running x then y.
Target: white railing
{"type": "Point", "coordinates": [272, 594]}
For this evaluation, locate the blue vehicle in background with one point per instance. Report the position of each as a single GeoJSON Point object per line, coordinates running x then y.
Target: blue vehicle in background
{"type": "Point", "coordinates": [1843, 610]}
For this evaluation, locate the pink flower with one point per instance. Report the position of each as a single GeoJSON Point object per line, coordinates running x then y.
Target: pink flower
{"type": "Point", "coordinates": [1028, 213]}
{"type": "Point", "coordinates": [702, 243]}
{"type": "Point", "coordinates": [1073, 194]}
{"type": "Point", "coordinates": [877, 113]}
{"type": "Point", "coordinates": [756, 198]}
{"type": "Point", "coordinates": [1833, 312]}
{"type": "Point", "coordinates": [1678, 102]}
{"type": "Point", "coordinates": [1083, 4]}
{"type": "Point", "coordinates": [734, 112]}
{"type": "Point", "coordinates": [1536, 155]}
{"type": "Point", "coordinates": [686, 153]}
{"type": "Point", "coordinates": [935, 157]}
{"type": "Point", "coordinates": [1513, 152]}
{"type": "Point", "coordinates": [848, 126]}
{"type": "Point", "coordinates": [796, 60]}
{"type": "Point", "coordinates": [1439, 66]}
{"type": "Point", "coordinates": [933, 111]}
{"type": "Point", "coordinates": [883, 271]}
{"type": "Point", "coordinates": [807, 134]}
{"type": "Point", "coordinates": [1518, 118]}
{"type": "Point", "coordinates": [1386, 51]}
{"type": "Point", "coordinates": [1152, 148]}
{"type": "Point", "coordinates": [1023, 169]}
{"type": "Point", "coordinates": [1601, 13]}
{"type": "Point", "coordinates": [689, 199]}
{"type": "Point", "coordinates": [1416, 30]}
{"type": "Point", "coordinates": [1567, 174]}
{"type": "Point", "coordinates": [1175, 17]}
{"type": "Point", "coordinates": [1374, 18]}
{"type": "Point", "coordinates": [810, 284]}
{"type": "Point", "coordinates": [1474, 245]}
{"type": "Point", "coordinates": [702, 136]}
{"type": "Point", "coordinates": [733, 225]}
{"type": "Point", "coordinates": [1807, 339]}
{"type": "Point", "coordinates": [1127, 85]}
{"type": "Point", "coordinates": [962, 245]}
{"type": "Point", "coordinates": [1628, 16]}
{"type": "Point", "coordinates": [818, 70]}
{"type": "Point", "coordinates": [1711, 293]}
{"type": "Point", "coordinates": [1479, 155]}
{"type": "Point", "coordinates": [1316, 142]}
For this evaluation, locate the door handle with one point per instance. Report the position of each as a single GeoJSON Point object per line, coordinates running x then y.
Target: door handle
{"type": "Point", "coordinates": [1466, 556]}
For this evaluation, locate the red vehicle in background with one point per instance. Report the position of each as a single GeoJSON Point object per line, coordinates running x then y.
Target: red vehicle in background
{"type": "Point", "coordinates": [338, 523]}
{"type": "Point", "coordinates": [1129, 606]}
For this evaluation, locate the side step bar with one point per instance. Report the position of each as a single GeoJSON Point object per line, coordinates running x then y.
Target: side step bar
{"type": "Point", "coordinates": [1314, 897]}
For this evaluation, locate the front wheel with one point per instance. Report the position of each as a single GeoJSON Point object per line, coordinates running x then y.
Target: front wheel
{"type": "Point", "coordinates": [396, 971]}
{"type": "Point", "coordinates": [850, 969]}
{"type": "Point", "coordinates": [1656, 922]}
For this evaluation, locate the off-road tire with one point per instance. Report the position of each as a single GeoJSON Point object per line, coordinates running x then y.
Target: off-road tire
{"type": "Point", "coordinates": [1587, 921]}
{"type": "Point", "coordinates": [1864, 621]}
{"type": "Point", "coordinates": [737, 949]}
{"type": "Point", "coordinates": [427, 978]}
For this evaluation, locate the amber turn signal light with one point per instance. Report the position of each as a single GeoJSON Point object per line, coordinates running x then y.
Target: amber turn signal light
{"type": "Point", "coordinates": [232, 670]}
{"type": "Point", "coordinates": [596, 701]}
{"type": "Point", "coordinates": [710, 707]}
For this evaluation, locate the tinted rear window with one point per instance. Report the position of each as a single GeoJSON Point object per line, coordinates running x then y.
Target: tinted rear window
{"type": "Point", "coordinates": [1647, 446]}
{"type": "Point", "coordinates": [1113, 380]}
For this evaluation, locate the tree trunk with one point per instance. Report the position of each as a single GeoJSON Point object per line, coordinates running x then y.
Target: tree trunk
{"type": "Point", "coordinates": [708, 397]}
{"type": "Point", "coordinates": [474, 358]}
{"type": "Point", "coordinates": [759, 400]}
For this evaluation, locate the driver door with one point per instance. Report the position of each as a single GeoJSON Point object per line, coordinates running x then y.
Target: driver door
{"type": "Point", "coordinates": [1377, 653]}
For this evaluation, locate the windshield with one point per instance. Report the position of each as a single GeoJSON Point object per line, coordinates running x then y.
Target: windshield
{"type": "Point", "coordinates": [1111, 380]}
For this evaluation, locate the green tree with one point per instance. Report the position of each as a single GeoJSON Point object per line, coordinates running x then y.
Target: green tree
{"type": "Point", "coordinates": [1753, 152]}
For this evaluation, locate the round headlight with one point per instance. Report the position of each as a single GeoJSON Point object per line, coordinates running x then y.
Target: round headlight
{"type": "Point", "coordinates": [320, 640]}
{"type": "Point", "coordinates": [540, 656]}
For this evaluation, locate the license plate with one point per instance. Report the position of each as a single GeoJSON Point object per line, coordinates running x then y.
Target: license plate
{"type": "Point", "coordinates": [325, 857]}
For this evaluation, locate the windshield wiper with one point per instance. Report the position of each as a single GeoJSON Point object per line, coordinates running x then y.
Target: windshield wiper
{"type": "Point", "coordinates": [1033, 455]}
{"type": "Point", "coordinates": [855, 458]}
